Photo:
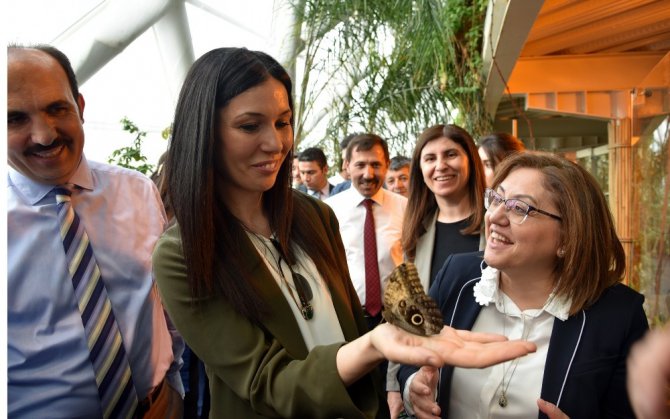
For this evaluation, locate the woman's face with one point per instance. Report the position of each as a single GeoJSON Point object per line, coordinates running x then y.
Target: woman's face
{"type": "Point", "coordinates": [488, 167]}
{"type": "Point", "coordinates": [527, 248]}
{"type": "Point", "coordinates": [255, 136]}
{"type": "Point", "coordinates": [444, 165]}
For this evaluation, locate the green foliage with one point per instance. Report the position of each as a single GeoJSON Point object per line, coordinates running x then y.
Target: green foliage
{"type": "Point", "coordinates": [131, 157]}
{"type": "Point", "coordinates": [397, 66]}
{"type": "Point", "coordinates": [652, 246]}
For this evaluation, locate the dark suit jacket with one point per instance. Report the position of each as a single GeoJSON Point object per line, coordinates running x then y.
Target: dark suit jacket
{"type": "Point", "coordinates": [259, 371]}
{"type": "Point", "coordinates": [342, 186]}
{"type": "Point", "coordinates": [598, 337]}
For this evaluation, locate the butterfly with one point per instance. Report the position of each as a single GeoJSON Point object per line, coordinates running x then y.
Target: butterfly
{"type": "Point", "coordinates": [407, 306]}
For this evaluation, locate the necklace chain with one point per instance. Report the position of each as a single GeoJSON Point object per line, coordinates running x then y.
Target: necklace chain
{"type": "Point", "coordinates": [502, 400]}
{"type": "Point", "coordinates": [305, 307]}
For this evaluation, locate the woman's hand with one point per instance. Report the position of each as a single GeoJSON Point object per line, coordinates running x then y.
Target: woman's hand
{"type": "Point", "coordinates": [551, 410]}
{"type": "Point", "coordinates": [459, 348]}
{"type": "Point", "coordinates": [454, 347]}
{"type": "Point", "coordinates": [422, 393]}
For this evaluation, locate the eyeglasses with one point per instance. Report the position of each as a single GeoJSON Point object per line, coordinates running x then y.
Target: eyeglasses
{"type": "Point", "coordinates": [517, 210]}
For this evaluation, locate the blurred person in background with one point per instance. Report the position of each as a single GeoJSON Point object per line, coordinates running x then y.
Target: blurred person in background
{"type": "Point", "coordinates": [494, 148]}
{"type": "Point", "coordinates": [397, 177]}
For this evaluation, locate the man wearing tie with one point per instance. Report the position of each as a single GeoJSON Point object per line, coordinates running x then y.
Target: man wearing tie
{"type": "Point", "coordinates": [370, 220]}
{"type": "Point", "coordinates": [87, 335]}
{"type": "Point", "coordinates": [314, 172]}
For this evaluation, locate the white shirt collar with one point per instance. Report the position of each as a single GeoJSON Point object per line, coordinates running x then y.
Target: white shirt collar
{"type": "Point", "coordinates": [486, 291]}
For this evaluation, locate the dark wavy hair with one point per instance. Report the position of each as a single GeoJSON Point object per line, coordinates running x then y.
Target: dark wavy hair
{"type": "Point", "coordinates": [210, 233]}
{"type": "Point", "coordinates": [421, 201]}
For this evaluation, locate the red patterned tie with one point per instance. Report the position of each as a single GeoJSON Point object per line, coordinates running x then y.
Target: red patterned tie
{"type": "Point", "coordinates": [373, 295]}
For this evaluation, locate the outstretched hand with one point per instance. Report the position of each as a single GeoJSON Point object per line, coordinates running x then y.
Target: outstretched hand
{"type": "Point", "coordinates": [453, 347]}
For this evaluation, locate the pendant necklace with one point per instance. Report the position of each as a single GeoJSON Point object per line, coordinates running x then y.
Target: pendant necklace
{"type": "Point", "coordinates": [300, 283]}
{"type": "Point", "coordinates": [502, 400]}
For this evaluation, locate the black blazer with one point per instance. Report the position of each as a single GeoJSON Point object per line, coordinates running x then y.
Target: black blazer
{"type": "Point", "coordinates": [599, 338]}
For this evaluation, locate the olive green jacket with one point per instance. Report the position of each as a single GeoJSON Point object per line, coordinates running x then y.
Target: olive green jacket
{"type": "Point", "coordinates": [266, 371]}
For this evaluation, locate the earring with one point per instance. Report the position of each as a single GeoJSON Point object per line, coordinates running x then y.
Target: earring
{"type": "Point", "coordinates": [561, 253]}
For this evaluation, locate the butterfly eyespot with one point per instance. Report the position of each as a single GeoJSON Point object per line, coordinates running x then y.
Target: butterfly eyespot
{"type": "Point", "coordinates": [407, 306]}
{"type": "Point", "coordinates": [417, 319]}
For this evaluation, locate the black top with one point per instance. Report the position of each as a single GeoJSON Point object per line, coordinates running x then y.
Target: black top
{"type": "Point", "coordinates": [449, 240]}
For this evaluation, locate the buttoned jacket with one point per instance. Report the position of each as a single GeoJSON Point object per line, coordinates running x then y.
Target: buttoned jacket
{"type": "Point", "coordinates": [585, 369]}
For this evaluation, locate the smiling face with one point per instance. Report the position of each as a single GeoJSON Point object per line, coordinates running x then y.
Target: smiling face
{"type": "Point", "coordinates": [444, 165]}
{"type": "Point", "coordinates": [398, 180]}
{"type": "Point", "coordinates": [524, 249]}
{"type": "Point", "coordinates": [45, 136]}
{"type": "Point", "coordinates": [255, 135]}
{"type": "Point", "coordinates": [368, 170]}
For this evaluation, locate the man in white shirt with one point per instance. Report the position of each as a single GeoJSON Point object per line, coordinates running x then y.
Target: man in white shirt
{"type": "Point", "coordinates": [313, 168]}
{"type": "Point", "coordinates": [368, 159]}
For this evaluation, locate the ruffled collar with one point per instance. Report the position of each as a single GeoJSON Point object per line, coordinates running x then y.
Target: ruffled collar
{"type": "Point", "coordinates": [486, 291]}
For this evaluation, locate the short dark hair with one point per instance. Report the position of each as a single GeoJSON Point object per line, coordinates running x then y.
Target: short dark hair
{"type": "Point", "coordinates": [313, 154]}
{"type": "Point", "coordinates": [365, 142]}
{"type": "Point", "coordinates": [346, 140]}
{"type": "Point", "coordinates": [398, 162]}
{"type": "Point", "coordinates": [57, 55]}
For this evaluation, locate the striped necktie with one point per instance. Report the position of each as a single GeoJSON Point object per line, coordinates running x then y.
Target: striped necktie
{"type": "Point", "coordinates": [112, 371]}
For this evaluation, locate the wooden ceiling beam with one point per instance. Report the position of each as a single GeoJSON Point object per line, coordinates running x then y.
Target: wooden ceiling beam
{"type": "Point", "coordinates": [568, 73]}
{"type": "Point", "coordinates": [652, 14]}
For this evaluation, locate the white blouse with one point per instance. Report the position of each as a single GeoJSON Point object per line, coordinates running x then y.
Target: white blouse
{"type": "Point", "coordinates": [322, 329]}
{"type": "Point", "coordinates": [476, 393]}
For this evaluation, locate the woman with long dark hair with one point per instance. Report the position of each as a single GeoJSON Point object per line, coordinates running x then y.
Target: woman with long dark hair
{"type": "Point", "coordinates": [254, 274]}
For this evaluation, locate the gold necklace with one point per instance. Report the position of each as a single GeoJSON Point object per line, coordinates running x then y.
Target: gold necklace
{"type": "Point", "coordinates": [502, 400]}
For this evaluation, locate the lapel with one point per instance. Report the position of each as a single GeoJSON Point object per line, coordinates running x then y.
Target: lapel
{"type": "Point", "coordinates": [280, 321]}
{"type": "Point", "coordinates": [342, 301]}
{"type": "Point", "coordinates": [565, 337]}
{"type": "Point", "coordinates": [343, 308]}
{"type": "Point", "coordinates": [465, 315]}
{"type": "Point", "coordinates": [424, 250]}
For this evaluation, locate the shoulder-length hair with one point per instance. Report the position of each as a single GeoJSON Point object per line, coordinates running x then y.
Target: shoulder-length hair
{"type": "Point", "coordinates": [499, 145]}
{"type": "Point", "coordinates": [210, 233]}
{"type": "Point", "coordinates": [593, 258]}
{"type": "Point", "coordinates": [421, 202]}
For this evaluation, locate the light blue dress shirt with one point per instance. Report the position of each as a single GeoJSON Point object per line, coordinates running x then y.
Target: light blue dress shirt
{"type": "Point", "coordinates": [49, 373]}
